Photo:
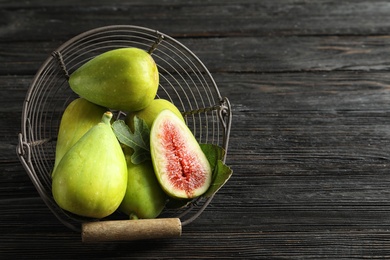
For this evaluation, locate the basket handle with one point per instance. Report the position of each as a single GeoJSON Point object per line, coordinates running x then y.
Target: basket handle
{"type": "Point", "coordinates": [140, 229]}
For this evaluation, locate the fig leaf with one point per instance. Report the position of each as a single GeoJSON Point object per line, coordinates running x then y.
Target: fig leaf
{"type": "Point", "coordinates": [221, 172]}
{"type": "Point", "coordinates": [138, 141]}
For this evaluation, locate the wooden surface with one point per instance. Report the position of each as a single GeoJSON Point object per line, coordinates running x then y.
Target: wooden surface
{"type": "Point", "coordinates": [309, 85]}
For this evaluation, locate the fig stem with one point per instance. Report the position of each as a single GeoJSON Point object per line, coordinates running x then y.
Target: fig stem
{"type": "Point", "coordinates": [106, 118]}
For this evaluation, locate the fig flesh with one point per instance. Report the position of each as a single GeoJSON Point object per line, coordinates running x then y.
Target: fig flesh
{"type": "Point", "coordinates": [179, 163]}
{"type": "Point", "coordinates": [91, 178]}
{"type": "Point", "coordinates": [121, 79]}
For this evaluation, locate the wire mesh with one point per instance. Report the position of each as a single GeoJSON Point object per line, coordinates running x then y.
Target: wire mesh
{"type": "Point", "coordinates": [184, 80]}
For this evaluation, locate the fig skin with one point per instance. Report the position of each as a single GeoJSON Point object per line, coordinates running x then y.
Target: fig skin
{"type": "Point", "coordinates": [91, 178]}
{"type": "Point", "coordinates": [79, 116]}
{"type": "Point", "coordinates": [144, 197]}
{"type": "Point", "coordinates": [123, 79]}
{"type": "Point", "coordinates": [149, 113]}
{"type": "Point", "coordinates": [181, 167]}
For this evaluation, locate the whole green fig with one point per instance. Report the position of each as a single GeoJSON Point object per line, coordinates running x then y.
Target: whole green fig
{"type": "Point", "coordinates": [91, 178]}
{"type": "Point", "coordinates": [144, 197]}
{"type": "Point", "coordinates": [149, 113]}
{"type": "Point", "coordinates": [79, 116]}
{"type": "Point", "coordinates": [123, 79]}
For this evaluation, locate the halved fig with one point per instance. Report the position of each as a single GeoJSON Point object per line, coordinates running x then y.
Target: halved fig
{"type": "Point", "coordinates": [180, 165]}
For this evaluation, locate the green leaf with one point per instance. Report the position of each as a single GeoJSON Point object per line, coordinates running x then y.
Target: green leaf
{"type": "Point", "coordinates": [138, 141]}
{"type": "Point", "coordinates": [221, 172]}
{"type": "Point", "coordinates": [213, 153]}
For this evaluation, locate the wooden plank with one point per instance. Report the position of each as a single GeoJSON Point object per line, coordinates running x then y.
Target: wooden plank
{"type": "Point", "coordinates": [316, 146]}
{"type": "Point", "coordinates": [289, 54]}
{"type": "Point", "coordinates": [242, 54]}
{"type": "Point", "coordinates": [61, 20]}
{"type": "Point", "coordinates": [39, 234]}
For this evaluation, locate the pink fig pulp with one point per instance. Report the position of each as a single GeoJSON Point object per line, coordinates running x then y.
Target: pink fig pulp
{"type": "Point", "coordinates": [180, 165]}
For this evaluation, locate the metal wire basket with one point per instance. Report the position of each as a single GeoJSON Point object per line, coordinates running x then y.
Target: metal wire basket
{"type": "Point", "coordinates": [184, 80]}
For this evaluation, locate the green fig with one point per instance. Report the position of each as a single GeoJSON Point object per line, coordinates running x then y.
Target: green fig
{"type": "Point", "coordinates": [181, 167]}
{"type": "Point", "coordinates": [144, 197]}
{"type": "Point", "coordinates": [149, 113]}
{"type": "Point", "coordinates": [123, 79]}
{"type": "Point", "coordinates": [79, 116]}
{"type": "Point", "coordinates": [91, 178]}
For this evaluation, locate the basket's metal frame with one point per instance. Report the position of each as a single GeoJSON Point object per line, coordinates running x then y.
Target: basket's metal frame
{"type": "Point", "coordinates": [24, 146]}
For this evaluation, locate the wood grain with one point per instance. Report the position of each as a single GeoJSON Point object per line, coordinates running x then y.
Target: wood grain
{"type": "Point", "coordinates": [242, 54]}
{"type": "Point", "coordinates": [196, 18]}
{"type": "Point", "coordinates": [309, 145]}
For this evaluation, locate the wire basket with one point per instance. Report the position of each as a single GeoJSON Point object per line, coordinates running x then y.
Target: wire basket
{"type": "Point", "coordinates": [184, 80]}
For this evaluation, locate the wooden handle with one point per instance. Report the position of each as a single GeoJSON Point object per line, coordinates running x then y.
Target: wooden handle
{"type": "Point", "coordinates": [140, 229]}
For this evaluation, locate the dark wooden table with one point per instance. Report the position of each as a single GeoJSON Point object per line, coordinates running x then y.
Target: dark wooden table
{"type": "Point", "coordinates": [309, 85]}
